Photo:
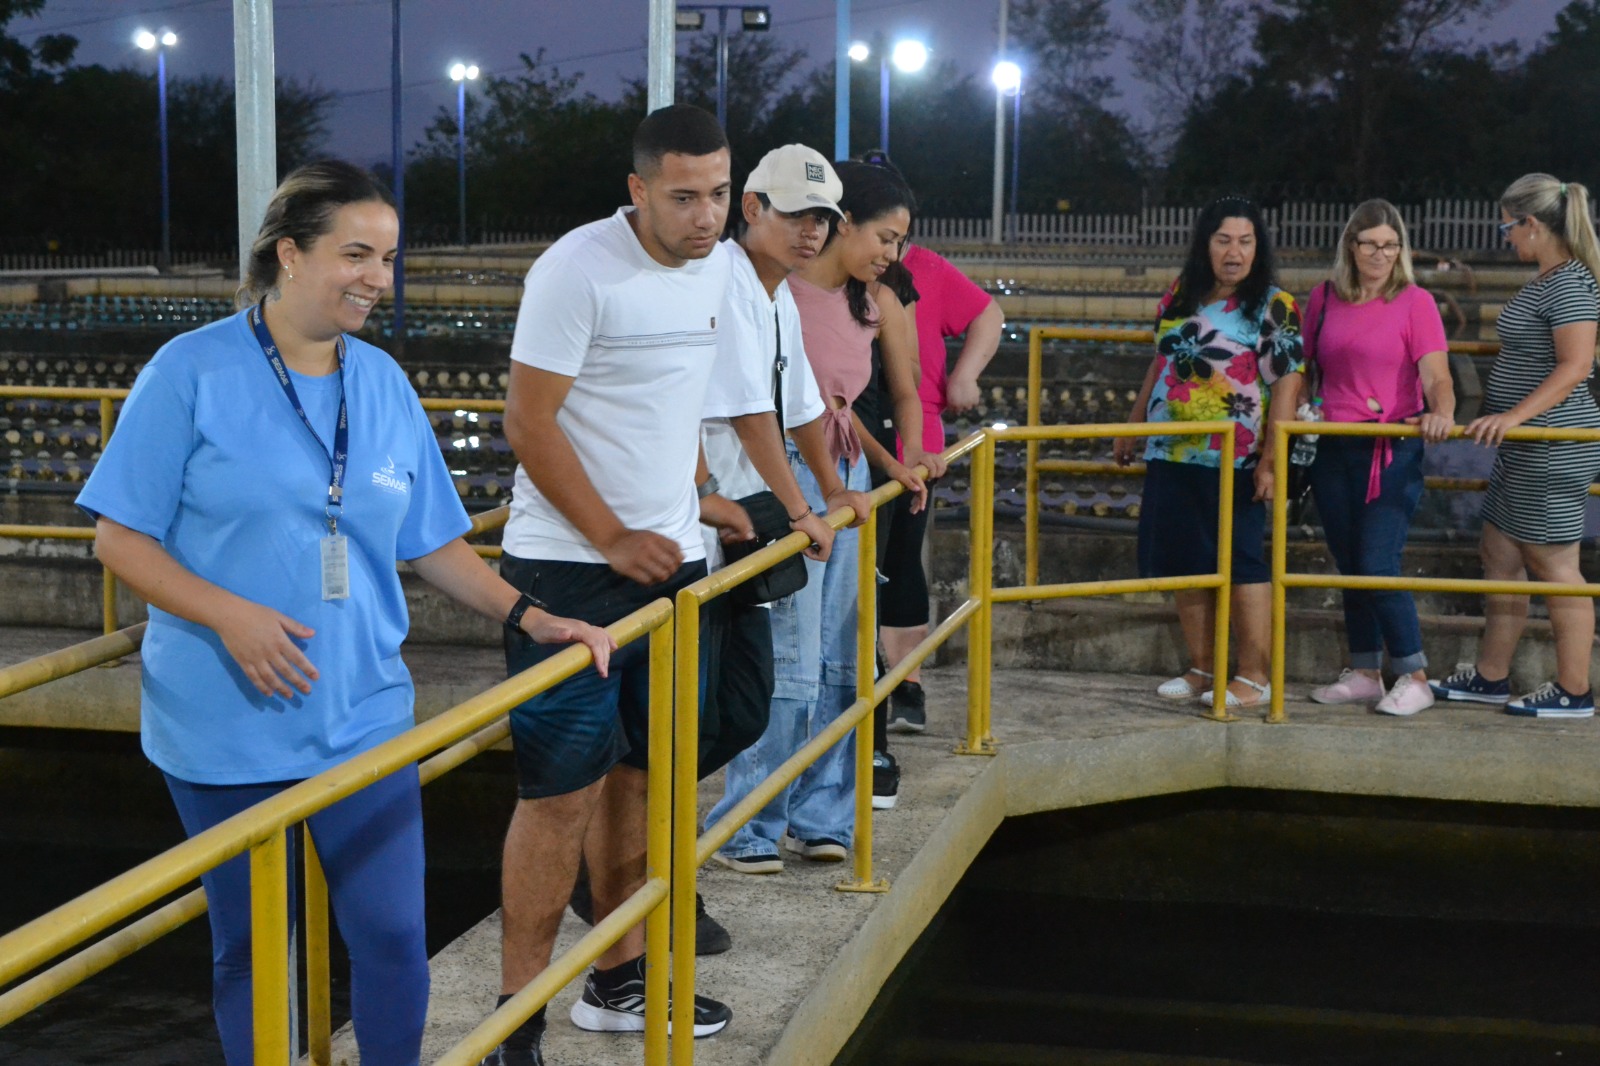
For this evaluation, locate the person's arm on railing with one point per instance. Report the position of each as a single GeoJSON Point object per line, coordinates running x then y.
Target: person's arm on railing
{"type": "Point", "coordinates": [812, 441]}
{"type": "Point", "coordinates": [981, 342]}
{"type": "Point", "coordinates": [1440, 417]}
{"type": "Point", "coordinates": [880, 457]}
{"type": "Point", "coordinates": [258, 637]}
{"type": "Point", "coordinates": [456, 570]}
{"type": "Point", "coordinates": [897, 341]}
{"type": "Point", "coordinates": [1123, 449]}
{"type": "Point", "coordinates": [758, 435]}
{"type": "Point", "coordinates": [1574, 344]}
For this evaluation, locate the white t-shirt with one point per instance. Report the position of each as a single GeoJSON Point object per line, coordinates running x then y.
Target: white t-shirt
{"type": "Point", "coordinates": [747, 346]}
{"type": "Point", "coordinates": [639, 341]}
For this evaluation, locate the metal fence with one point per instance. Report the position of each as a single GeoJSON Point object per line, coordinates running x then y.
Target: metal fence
{"type": "Point", "coordinates": [1435, 225]}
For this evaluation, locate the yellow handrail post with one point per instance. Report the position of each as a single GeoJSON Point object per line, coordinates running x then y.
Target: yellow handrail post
{"type": "Point", "coordinates": [1030, 547]}
{"type": "Point", "coordinates": [1224, 613]}
{"type": "Point", "coordinates": [980, 581]}
{"type": "Point", "coordinates": [684, 769]}
{"type": "Point", "coordinates": [108, 581]}
{"type": "Point", "coordinates": [658, 845]}
{"type": "Point", "coordinates": [319, 1013]}
{"type": "Point", "coordinates": [269, 948]}
{"type": "Point", "coordinates": [866, 686]}
{"type": "Point", "coordinates": [1280, 563]}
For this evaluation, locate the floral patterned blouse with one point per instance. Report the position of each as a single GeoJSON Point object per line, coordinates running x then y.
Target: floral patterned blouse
{"type": "Point", "coordinates": [1219, 363]}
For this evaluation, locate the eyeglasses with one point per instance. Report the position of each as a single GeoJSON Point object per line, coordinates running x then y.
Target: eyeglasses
{"type": "Point", "coordinates": [1374, 248]}
{"type": "Point", "coordinates": [1505, 228]}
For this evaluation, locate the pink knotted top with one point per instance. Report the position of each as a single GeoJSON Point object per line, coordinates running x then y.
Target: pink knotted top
{"type": "Point", "coordinates": [839, 350]}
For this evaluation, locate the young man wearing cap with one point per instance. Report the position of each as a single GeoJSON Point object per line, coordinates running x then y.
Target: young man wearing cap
{"type": "Point", "coordinates": [614, 347]}
{"type": "Point", "coordinates": [789, 200]}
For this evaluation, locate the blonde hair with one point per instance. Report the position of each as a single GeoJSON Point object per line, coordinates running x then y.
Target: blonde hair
{"type": "Point", "coordinates": [1563, 206]}
{"type": "Point", "coordinates": [1371, 215]}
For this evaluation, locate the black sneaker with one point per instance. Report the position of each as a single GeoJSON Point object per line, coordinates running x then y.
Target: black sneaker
{"type": "Point", "coordinates": [710, 938]}
{"type": "Point", "coordinates": [620, 1009]}
{"type": "Point", "coordinates": [908, 712]}
{"type": "Point", "coordinates": [515, 1056]}
{"type": "Point", "coordinates": [885, 780]}
{"type": "Point", "coordinates": [1469, 685]}
{"type": "Point", "coordinates": [1550, 700]}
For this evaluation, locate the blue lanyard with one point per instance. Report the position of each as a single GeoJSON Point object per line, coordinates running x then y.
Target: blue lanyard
{"type": "Point", "coordinates": [341, 435]}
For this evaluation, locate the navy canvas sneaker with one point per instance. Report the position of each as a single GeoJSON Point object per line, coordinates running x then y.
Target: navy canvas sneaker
{"type": "Point", "coordinates": [1550, 700]}
{"type": "Point", "coordinates": [1469, 685]}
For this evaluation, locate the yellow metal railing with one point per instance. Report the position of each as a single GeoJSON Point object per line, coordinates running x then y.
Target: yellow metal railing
{"type": "Point", "coordinates": [1035, 466]}
{"type": "Point", "coordinates": [1282, 580]}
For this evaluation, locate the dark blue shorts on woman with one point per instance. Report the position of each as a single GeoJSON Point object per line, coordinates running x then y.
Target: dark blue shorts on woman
{"type": "Point", "coordinates": [1178, 523]}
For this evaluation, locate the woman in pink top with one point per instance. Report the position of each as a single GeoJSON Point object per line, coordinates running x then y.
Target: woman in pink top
{"type": "Point", "coordinates": [1380, 344]}
{"type": "Point", "coordinates": [813, 631]}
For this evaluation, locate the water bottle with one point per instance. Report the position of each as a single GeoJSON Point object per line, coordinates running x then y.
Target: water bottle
{"type": "Point", "coordinates": [1304, 451]}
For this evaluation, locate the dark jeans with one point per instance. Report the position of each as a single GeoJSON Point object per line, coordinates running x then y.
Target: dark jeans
{"type": "Point", "coordinates": [1366, 539]}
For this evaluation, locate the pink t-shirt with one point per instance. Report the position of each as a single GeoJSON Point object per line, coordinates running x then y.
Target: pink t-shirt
{"type": "Point", "coordinates": [948, 303]}
{"type": "Point", "coordinates": [1369, 352]}
{"type": "Point", "coordinates": [839, 350]}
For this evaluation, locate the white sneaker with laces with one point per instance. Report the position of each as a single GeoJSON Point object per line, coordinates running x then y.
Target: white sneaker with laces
{"type": "Point", "coordinates": [1352, 687]}
{"type": "Point", "coordinates": [1406, 697]}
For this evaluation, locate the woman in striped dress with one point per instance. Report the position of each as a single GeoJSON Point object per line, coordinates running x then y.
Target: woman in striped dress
{"type": "Point", "coordinates": [1533, 514]}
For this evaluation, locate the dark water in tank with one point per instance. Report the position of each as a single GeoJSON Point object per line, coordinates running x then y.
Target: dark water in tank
{"type": "Point", "coordinates": [78, 809]}
{"type": "Point", "coordinates": [1232, 927]}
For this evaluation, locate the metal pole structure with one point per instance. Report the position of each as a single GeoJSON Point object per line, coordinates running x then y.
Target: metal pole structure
{"type": "Point", "coordinates": [255, 120]}
{"type": "Point", "coordinates": [883, 97]}
{"type": "Point", "coordinates": [398, 160]}
{"type": "Point", "coordinates": [841, 80]}
{"type": "Point", "coordinates": [166, 177]}
{"type": "Point", "coordinates": [659, 76]}
{"type": "Point", "coordinates": [999, 136]}
{"type": "Point", "coordinates": [1016, 161]}
{"type": "Point", "coordinates": [461, 156]}
{"type": "Point", "coordinates": [722, 66]}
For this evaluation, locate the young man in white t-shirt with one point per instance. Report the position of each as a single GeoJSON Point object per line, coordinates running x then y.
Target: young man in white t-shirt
{"type": "Point", "coordinates": [613, 350]}
{"type": "Point", "coordinates": [789, 201]}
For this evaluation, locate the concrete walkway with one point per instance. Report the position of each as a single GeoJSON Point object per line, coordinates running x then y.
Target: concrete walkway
{"type": "Point", "coordinates": [808, 961]}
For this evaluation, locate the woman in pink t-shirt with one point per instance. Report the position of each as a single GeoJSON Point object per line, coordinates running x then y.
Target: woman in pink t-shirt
{"type": "Point", "coordinates": [1380, 344]}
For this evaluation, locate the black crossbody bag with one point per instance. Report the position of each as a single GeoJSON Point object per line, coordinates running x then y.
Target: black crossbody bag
{"type": "Point", "coordinates": [770, 519]}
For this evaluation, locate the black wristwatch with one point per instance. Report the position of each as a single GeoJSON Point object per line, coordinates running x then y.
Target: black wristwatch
{"type": "Point", "coordinates": [514, 617]}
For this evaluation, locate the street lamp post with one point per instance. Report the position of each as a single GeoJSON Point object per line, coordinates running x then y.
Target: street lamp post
{"type": "Point", "coordinates": [908, 56]}
{"type": "Point", "coordinates": [1007, 78]}
{"type": "Point", "coordinates": [159, 43]}
{"type": "Point", "coordinates": [461, 73]}
{"type": "Point", "coordinates": [752, 19]}
{"type": "Point", "coordinates": [1016, 160]}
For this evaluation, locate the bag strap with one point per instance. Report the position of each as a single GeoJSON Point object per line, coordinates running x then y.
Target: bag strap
{"type": "Point", "coordinates": [778, 367]}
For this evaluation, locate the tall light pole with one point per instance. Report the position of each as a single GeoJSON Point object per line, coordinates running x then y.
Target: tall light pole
{"type": "Point", "coordinates": [1016, 158]}
{"type": "Point", "coordinates": [461, 73]}
{"type": "Point", "coordinates": [908, 56]}
{"type": "Point", "coordinates": [1007, 78]}
{"type": "Point", "coordinates": [159, 43]}
{"type": "Point", "coordinates": [752, 19]}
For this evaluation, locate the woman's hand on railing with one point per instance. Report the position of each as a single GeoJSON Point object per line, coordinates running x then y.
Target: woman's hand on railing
{"type": "Point", "coordinates": [1435, 427]}
{"type": "Point", "coordinates": [1125, 449]}
{"type": "Point", "coordinates": [545, 628]}
{"type": "Point", "coordinates": [262, 641]}
{"type": "Point", "coordinates": [914, 484]}
{"type": "Point", "coordinates": [933, 461]}
{"type": "Point", "coordinates": [1490, 430]}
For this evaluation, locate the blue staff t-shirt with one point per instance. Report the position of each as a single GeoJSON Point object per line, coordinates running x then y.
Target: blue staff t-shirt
{"type": "Point", "coordinates": [211, 460]}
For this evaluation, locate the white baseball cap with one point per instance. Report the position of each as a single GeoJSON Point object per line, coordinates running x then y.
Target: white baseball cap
{"type": "Point", "coordinates": [795, 178]}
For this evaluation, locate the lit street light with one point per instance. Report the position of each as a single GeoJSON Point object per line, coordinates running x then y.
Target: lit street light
{"type": "Point", "coordinates": [908, 56]}
{"type": "Point", "coordinates": [1007, 78]}
{"type": "Point", "coordinates": [461, 73]}
{"type": "Point", "coordinates": [751, 20]}
{"type": "Point", "coordinates": [159, 44]}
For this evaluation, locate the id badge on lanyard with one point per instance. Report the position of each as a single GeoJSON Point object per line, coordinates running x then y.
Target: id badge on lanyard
{"type": "Point", "coordinates": [334, 548]}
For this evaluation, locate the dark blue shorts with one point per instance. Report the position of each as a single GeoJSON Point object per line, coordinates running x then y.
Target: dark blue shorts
{"type": "Point", "coordinates": [1178, 523]}
{"type": "Point", "coordinates": [569, 736]}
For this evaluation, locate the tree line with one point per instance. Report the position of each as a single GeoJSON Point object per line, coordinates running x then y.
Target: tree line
{"type": "Point", "coordinates": [1280, 99]}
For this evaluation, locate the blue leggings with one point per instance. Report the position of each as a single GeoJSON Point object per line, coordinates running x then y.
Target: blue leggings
{"type": "Point", "coordinates": [370, 845]}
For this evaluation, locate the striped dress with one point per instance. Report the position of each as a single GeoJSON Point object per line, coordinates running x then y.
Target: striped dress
{"type": "Point", "coordinates": [1538, 489]}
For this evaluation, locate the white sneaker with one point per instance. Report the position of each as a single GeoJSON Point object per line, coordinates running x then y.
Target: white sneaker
{"type": "Point", "coordinates": [1406, 697]}
{"type": "Point", "coordinates": [1352, 687]}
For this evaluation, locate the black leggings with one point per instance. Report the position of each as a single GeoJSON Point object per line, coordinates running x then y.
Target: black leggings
{"type": "Point", "coordinates": [903, 599]}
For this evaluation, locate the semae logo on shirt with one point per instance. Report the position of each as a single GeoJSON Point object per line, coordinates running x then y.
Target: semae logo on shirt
{"type": "Point", "coordinates": [386, 480]}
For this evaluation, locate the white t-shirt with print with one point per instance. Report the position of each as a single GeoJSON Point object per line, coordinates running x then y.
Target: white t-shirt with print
{"type": "Point", "coordinates": [639, 340]}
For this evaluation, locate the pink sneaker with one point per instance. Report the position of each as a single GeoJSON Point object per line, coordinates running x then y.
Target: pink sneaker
{"type": "Point", "coordinates": [1407, 697]}
{"type": "Point", "coordinates": [1352, 687]}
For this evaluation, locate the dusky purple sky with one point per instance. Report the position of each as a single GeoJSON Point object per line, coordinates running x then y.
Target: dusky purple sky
{"type": "Point", "coordinates": [344, 45]}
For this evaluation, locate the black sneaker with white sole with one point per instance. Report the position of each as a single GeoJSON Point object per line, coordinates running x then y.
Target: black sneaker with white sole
{"type": "Point", "coordinates": [515, 1056]}
{"type": "Point", "coordinates": [615, 1004]}
{"type": "Point", "coordinates": [885, 781]}
{"type": "Point", "coordinates": [908, 710]}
